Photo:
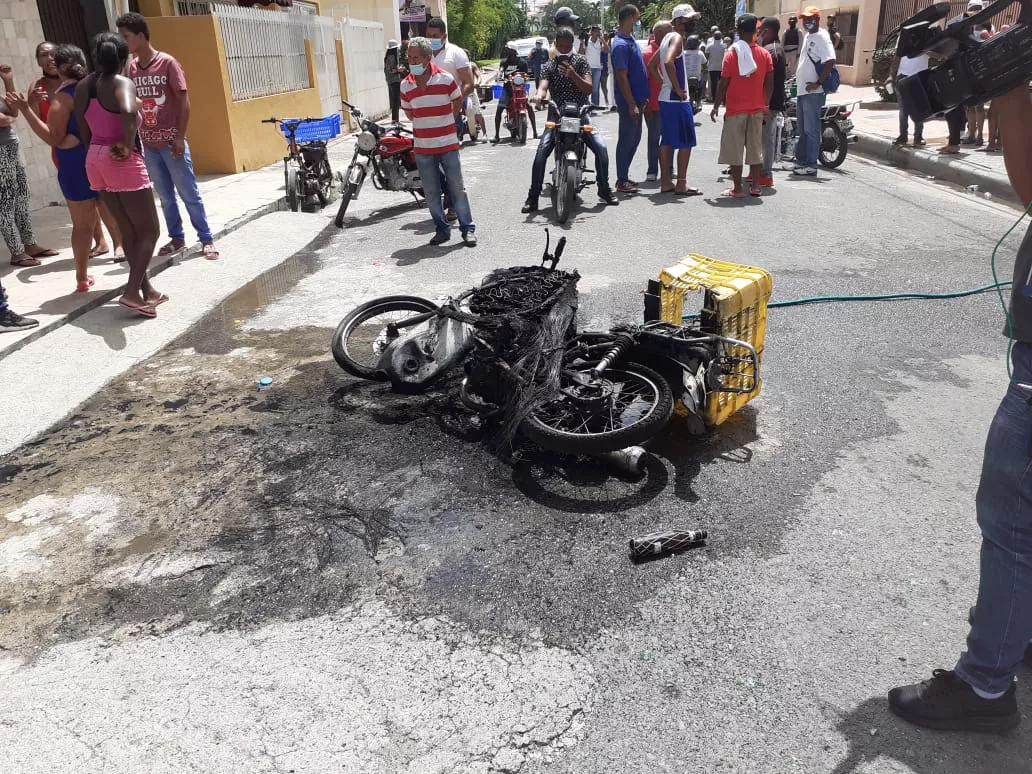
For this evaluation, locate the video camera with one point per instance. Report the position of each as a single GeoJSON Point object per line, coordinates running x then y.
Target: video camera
{"type": "Point", "coordinates": [970, 72]}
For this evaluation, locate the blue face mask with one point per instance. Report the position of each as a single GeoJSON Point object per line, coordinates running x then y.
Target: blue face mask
{"type": "Point", "coordinates": [436, 44]}
{"type": "Point", "coordinates": [417, 69]}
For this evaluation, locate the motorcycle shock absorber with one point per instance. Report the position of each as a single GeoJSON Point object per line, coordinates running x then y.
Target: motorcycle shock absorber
{"type": "Point", "coordinates": [624, 341]}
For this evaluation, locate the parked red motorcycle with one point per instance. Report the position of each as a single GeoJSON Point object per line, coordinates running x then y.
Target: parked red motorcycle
{"type": "Point", "coordinates": [516, 120]}
{"type": "Point", "coordinates": [383, 153]}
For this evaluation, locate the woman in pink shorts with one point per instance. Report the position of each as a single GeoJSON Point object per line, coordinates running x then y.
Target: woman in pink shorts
{"type": "Point", "coordinates": [108, 112]}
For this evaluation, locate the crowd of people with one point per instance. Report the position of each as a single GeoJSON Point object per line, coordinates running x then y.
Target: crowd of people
{"type": "Point", "coordinates": [117, 134]}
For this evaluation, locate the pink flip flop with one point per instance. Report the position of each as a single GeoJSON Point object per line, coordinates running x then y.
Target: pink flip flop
{"type": "Point", "coordinates": [144, 310]}
{"type": "Point", "coordinates": [730, 193]}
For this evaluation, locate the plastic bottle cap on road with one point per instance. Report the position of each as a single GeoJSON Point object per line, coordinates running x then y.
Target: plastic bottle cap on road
{"type": "Point", "coordinates": [265, 381]}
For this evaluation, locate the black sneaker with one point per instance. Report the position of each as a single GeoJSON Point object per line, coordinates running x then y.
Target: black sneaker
{"type": "Point", "coordinates": [901, 140]}
{"type": "Point", "coordinates": [919, 142]}
{"type": "Point", "coordinates": [451, 216]}
{"type": "Point", "coordinates": [1026, 659]}
{"type": "Point", "coordinates": [531, 205]}
{"type": "Point", "coordinates": [608, 197]}
{"type": "Point", "coordinates": [470, 238]}
{"type": "Point", "coordinates": [947, 703]}
{"type": "Point", "coordinates": [12, 321]}
{"type": "Point", "coordinates": [440, 238]}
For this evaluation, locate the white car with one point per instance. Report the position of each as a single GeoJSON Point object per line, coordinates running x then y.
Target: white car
{"type": "Point", "coordinates": [525, 45]}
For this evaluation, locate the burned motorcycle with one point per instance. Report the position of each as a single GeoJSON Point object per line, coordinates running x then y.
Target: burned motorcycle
{"type": "Point", "coordinates": [526, 366]}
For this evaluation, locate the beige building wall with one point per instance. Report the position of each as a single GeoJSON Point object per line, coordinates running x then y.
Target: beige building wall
{"type": "Point", "coordinates": [383, 11]}
{"type": "Point", "coordinates": [858, 71]}
{"type": "Point", "coordinates": [20, 32]}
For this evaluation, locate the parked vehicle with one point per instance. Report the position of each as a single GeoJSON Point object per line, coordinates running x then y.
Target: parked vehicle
{"type": "Point", "coordinates": [526, 366]}
{"type": "Point", "coordinates": [384, 154]}
{"type": "Point", "coordinates": [569, 157]}
{"type": "Point", "coordinates": [306, 167]}
{"type": "Point", "coordinates": [836, 130]}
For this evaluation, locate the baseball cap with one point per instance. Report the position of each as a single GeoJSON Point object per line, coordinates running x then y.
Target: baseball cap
{"type": "Point", "coordinates": [392, 44]}
{"type": "Point", "coordinates": [811, 10]}
{"type": "Point", "coordinates": [684, 11]}
{"type": "Point", "coordinates": [974, 5]}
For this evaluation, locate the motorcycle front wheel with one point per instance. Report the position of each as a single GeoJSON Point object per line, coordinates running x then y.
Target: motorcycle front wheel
{"type": "Point", "coordinates": [362, 336]}
{"type": "Point", "coordinates": [565, 190]}
{"type": "Point", "coordinates": [293, 185]}
{"type": "Point", "coordinates": [521, 137]}
{"type": "Point", "coordinates": [624, 407]}
{"type": "Point", "coordinates": [325, 183]}
{"type": "Point", "coordinates": [834, 147]}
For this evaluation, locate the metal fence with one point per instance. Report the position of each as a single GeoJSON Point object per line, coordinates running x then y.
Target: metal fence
{"type": "Point", "coordinates": [364, 45]}
{"type": "Point", "coordinates": [265, 52]}
{"type": "Point", "coordinates": [323, 34]}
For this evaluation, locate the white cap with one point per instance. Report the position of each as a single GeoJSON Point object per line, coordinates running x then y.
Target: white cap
{"type": "Point", "coordinates": [973, 4]}
{"type": "Point", "coordinates": [511, 44]}
{"type": "Point", "coordinates": [392, 44]}
{"type": "Point", "coordinates": [684, 11]}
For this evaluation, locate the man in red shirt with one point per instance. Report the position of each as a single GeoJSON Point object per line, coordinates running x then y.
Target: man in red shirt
{"type": "Point", "coordinates": [652, 119]}
{"type": "Point", "coordinates": [746, 83]}
{"type": "Point", "coordinates": [432, 99]}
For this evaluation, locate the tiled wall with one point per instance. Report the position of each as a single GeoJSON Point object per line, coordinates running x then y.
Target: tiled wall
{"type": "Point", "coordinates": [20, 32]}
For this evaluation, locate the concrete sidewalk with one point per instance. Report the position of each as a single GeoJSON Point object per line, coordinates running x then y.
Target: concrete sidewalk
{"type": "Point", "coordinates": [46, 292]}
{"type": "Point", "coordinates": [877, 125]}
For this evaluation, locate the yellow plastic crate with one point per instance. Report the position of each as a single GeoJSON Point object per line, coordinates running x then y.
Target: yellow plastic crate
{"type": "Point", "coordinates": [734, 306]}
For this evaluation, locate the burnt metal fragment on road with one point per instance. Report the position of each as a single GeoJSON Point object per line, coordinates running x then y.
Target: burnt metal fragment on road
{"type": "Point", "coordinates": [665, 544]}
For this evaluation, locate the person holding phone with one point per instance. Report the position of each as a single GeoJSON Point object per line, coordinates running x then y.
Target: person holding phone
{"type": "Point", "coordinates": [568, 79]}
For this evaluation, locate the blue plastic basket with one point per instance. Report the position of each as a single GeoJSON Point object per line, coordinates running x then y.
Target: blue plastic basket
{"type": "Point", "coordinates": [324, 129]}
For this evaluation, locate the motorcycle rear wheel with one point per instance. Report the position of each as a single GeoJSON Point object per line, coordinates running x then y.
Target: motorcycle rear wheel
{"type": "Point", "coordinates": [642, 406]}
{"type": "Point", "coordinates": [834, 147]}
{"type": "Point", "coordinates": [349, 192]}
{"type": "Point", "coordinates": [293, 186]}
{"type": "Point", "coordinates": [359, 358]}
{"type": "Point", "coordinates": [325, 184]}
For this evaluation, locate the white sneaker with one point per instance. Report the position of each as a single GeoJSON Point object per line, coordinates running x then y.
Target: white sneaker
{"type": "Point", "coordinates": [652, 177]}
{"type": "Point", "coordinates": [798, 170]}
{"type": "Point", "coordinates": [811, 171]}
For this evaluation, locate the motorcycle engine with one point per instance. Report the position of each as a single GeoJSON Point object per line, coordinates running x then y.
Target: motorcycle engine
{"type": "Point", "coordinates": [399, 177]}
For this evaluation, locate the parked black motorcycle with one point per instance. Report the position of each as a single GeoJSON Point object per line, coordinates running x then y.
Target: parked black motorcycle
{"type": "Point", "coordinates": [836, 131]}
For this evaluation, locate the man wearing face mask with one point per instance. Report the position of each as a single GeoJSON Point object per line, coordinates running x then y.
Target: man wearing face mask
{"type": "Point", "coordinates": [452, 60]}
{"type": "Point", "coordinates": [816, 61]}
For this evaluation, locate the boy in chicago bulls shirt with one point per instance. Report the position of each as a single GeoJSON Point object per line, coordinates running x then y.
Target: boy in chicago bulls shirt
{"type": "Point", "coordinates": [165, 112]}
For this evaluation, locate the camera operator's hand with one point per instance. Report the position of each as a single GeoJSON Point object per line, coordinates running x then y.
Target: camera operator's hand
{"type": "Point", "coordinates": [1015, 110]}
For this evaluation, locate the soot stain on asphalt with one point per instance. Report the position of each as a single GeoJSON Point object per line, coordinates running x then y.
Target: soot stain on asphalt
{"type": "Point", "coordinates": [291, 502]}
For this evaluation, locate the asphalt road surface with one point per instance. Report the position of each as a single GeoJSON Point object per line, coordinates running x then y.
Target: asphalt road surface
{"type": "Point", "coordinates": [322, 576]}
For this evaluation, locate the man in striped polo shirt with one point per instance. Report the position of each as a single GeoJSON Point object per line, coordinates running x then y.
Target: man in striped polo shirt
{"type": "Point", "coordinates": [431, 99]}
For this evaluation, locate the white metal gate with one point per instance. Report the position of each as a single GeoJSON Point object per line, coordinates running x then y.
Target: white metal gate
{"type": "Point", "coordinates": [323, 34]}
{"type": "Point", "coordinates": [364, 47]}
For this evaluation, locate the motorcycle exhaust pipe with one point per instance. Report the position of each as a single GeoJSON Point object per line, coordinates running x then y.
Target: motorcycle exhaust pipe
{"type": "Point", "coordinates": [630, 460]}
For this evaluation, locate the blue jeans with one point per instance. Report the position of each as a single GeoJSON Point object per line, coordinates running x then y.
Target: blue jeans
{"type": "Point", "coordinates": [596, 81]}
{"type": "Point", "coordinates": [595, 144]}
{"type": "Point", "coordinates": [655, 128]}
{"type": "Point", "coordinates": [170, 176]}
{"type": "Point", "coordinates": [431, 168]}
{"type": "Point", "coordinates": [628, 139]}
{"type": "Point", "coordinates": [1003, 615]}
{"type": "Point", "coordinates": [808, 114]}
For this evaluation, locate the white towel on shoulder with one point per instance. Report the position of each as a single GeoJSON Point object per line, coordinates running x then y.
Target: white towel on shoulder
{"type": "Point", "coordinates": [746, 64]}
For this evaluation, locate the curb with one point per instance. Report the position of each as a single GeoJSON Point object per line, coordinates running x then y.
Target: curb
{"type": "Point", "coordinates": [157, 266]}
{"type": "Point", "coordinates": [952, 170]}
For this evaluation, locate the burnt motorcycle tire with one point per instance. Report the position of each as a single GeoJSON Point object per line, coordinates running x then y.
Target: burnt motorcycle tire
{"type": "Point", "coordinates": [596, 443]}
{"type": "Point", "coordinates": [358, 315]}
{"type": "Point", "coordinates": [350, 189]}
{"type": "Point", "coordinates": [832, 158]}
{"type": "Point", "coordinates": [292, 183]}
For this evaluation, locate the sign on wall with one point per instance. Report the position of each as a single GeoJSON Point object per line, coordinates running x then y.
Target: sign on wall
{"type": "Point", "coordinates": [412, 10]}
